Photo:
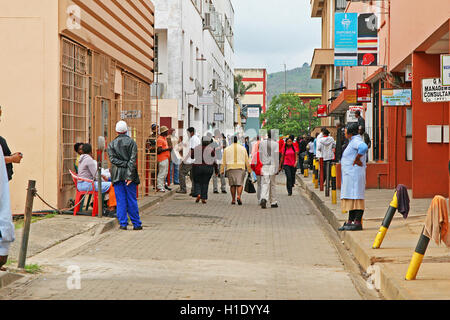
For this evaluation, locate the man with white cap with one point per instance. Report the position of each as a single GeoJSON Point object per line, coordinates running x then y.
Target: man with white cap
{"type": "Point", "coordinates": [122, 153]}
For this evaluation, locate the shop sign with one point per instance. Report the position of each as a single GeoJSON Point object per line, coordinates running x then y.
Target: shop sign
{"type": "Point", "coordinates": [351, 113]}
{"type": "Point", "coordinates": [351, 98]}
{"type": "Point", "coordinates": [396, 97]}
{"type": "Point", "coordinates": [356, 39]}
{"type": "Point", "coordinates": [219, 117]}
{"type": "Point", "coordinates": [408, 73]}
{"type": "Point", "coordinates": [363, 93]}
{"type": "Point", "coordinates": [206, 100]}
{"type": "Point", "coordinates": [131, 114]}
{"type": "Point", "coordinates": [322, 111]}
{"type": "Point", "coordinates": [346, 39]}
{"type": "Point", "coordinates": [445, 69]}
{"type": "Point", "coordinates": [252, 112]}
{"type": "Point", "coordinates": [433, 91]}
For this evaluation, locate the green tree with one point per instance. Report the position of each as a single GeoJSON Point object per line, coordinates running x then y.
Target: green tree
{"type": "Point", "coordinates": [290, 115]}
{"type": "Point", "coordinates": [240, 89]}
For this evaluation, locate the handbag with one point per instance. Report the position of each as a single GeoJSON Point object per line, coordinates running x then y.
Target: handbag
{"type": "Point", "coordinates": [249, 187]}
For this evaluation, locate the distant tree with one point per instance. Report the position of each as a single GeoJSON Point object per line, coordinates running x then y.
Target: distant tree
{"type": "Point", "coordinates": [305, 65]}
{"type": "Point", "coordinates": [290, 115]}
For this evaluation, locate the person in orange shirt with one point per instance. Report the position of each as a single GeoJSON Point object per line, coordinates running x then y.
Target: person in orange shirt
{"type": "Point", "coordinates": [163, 158]}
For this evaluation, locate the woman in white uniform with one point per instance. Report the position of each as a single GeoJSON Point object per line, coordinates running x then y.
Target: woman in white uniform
{"type": "Point", "coordinates": [353, 164]}
{"type": "Point", "coordinates": [6, 224]}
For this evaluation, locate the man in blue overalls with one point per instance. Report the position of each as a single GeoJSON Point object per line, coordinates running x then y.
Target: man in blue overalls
{"type": "Point", "coordinates": [122, 153]}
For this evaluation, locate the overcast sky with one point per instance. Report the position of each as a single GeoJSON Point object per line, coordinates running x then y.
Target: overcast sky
{"type": "Point", "coordinates": [270, 33]}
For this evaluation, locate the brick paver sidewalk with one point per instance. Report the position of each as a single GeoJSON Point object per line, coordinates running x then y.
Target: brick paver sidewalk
{"type": "Point", "coordinates": [196, 251]}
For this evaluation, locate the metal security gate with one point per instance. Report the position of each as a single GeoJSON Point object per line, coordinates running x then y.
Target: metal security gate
{"type": "Point", "coordinates": [74, 101]}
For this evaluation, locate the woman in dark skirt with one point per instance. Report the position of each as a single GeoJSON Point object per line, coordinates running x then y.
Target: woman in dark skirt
{"type": "Point", "coordinates": [203, 169]}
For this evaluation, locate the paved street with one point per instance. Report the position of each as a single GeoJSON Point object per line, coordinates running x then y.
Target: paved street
{"type": "Point", "coordinates": [195, 251]}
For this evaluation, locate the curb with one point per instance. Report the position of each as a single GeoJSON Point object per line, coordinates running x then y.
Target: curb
{"type": "Point", "coordinates": [389, 287]}
{"type": "Point", "coordinates": [8, 277]}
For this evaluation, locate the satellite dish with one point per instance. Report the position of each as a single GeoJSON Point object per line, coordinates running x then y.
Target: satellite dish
{"type": "Point", "coordinates": [198, 88]}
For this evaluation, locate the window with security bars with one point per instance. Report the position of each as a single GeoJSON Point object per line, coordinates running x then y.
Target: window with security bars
{"type": "Point", "coordinates": [74, 114]}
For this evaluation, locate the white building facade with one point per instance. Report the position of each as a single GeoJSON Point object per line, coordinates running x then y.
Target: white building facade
{"type": "Point", "coordinates": [194, 63]}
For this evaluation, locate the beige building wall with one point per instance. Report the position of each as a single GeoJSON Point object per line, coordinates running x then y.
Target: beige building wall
{"type": "Point", "coordinates": [29, 94]}
{"type": "Point", "coordinates": [259, 78]}
{"type": "Point", "coordinates": [30, 81]}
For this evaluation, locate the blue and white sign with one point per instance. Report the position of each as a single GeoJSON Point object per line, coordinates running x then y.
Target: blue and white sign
{"type": "Point", "coordinates": [346, 39]}
{"type": "Point", "coordinates": [445, 70]}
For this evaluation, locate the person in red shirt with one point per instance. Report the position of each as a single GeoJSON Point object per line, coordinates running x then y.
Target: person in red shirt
{"type": "Point", "coordinates": [289, 162]}
{"type": "Point", "coordinates": [163, 158]}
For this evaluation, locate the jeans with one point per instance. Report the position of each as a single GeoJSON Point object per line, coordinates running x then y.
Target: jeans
{"type": "Point", "coordinates": [84, 186]}
{"type": "Point", "coordinates": [202, 178]}
{"type": "Point", "coordinates": [258, 188]}
{"type": "Point", "coordinates": [184, 171]}
{"type": "Point", "coordinates": [223, 182]}
{"type": "Point", "coordinates": [290, 177]}
{"type": "Point", "coordinates": [163, 170]}
{"type": "Point", "coordinates": [127, 204]}
{"type": "Point", "coordinates": [174, 173]}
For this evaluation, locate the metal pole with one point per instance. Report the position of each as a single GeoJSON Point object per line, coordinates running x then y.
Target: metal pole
{"type": "Point", "coordinates": [27, 223]}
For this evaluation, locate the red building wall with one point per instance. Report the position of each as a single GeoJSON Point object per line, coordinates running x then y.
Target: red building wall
{"type": "Point", "coordinates": [430, 166]}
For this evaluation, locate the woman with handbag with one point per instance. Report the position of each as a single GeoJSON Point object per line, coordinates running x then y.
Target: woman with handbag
{"type": "Point", "coordinates": [289, 162]}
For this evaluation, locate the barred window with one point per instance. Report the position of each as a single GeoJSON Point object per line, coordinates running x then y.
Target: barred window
{"type": "Point", "coordinates": [73, 105]}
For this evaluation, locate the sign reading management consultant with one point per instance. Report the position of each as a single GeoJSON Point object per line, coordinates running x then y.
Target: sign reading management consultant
{"type": "Point", "coordinates": [433, 91]}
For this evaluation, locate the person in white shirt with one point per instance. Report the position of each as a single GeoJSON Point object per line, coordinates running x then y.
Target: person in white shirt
{"type": "Point", "coordinates": [186, 166]}
{"type": "Point", "coordinates": [326, 147]}
{"type": "Point", "coordinates": [269, 156]}
{"type": "Point", "coordinates": [6, 225]}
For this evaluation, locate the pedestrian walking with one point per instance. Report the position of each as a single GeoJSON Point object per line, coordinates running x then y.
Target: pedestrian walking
{"type": "Point", "coordinates": [289, 162]}
{"type": "Point", "coordinates": [353, 164]}
{"type": "Point", "coordinates": [123, 152]}
{"type": "Point", "coordinates": [174, 158]}
{"type": "Point", "coordinates": [7, 235]}
{"type": "Point", "coordinates": [326, 146]}
{"type": "Point", "coordinates": [256, 166]}
{"type": "Point", "coordinates": [235, 162]}
{"type": "Point", "coordinates": [219, 145]}
{"type": "Point", "coordinates": [163, 151]}
{"type": "Point", "coordinates": [269, 155]}
{"type": "Point", "coordinates": [203, 169]}
{"type": "Point", "coordinates": [361, 121]}
{"type": "Point", "coordinates": [186, 166]}
{"type": "Point", "coordinates": [311, 154]}
{"type": "Point", "coordinates": [340, 140]}
{"type": "Point", "coordinates": [302, 144]}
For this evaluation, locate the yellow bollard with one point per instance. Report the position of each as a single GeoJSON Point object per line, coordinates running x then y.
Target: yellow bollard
{"type": "Point", "coordinates": [417, 257]}
{"type": "Point", "coordinates": [333, 184]}
{"type": "Point", "coordinates": [306, 174]}
{"type": "Point", "coordinates": [386, 222]}
{"type": "Point", "coordinates": [316, 169]}
{"type": "Point", "coordinates": [314, 177]}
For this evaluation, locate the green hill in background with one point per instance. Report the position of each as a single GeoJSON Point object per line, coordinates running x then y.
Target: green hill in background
{"type": "Point", "coordinates": [298, 80]}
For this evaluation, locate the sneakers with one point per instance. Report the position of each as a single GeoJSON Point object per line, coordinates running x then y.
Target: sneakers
{"type": "Point", "coordinates": [224, 191]}
{"type": "Point", "coordinates": [137, 228]}
{"type": "Point", "coordinates": [161, 191]}
{"type": "Point", "coordinates": [264, 203]}
{"type": "Point", "coordinates": [168, 188]}
{"type": "Point", "coordinates": [275, 205]}
{"type": "Point", "coordinates": [216, 192]}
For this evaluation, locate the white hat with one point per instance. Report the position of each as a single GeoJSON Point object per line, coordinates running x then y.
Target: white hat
{"type": "Point", "coordinates": [121, 127]}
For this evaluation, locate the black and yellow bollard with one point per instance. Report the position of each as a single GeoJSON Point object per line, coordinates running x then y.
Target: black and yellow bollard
{"type": "Point", "coordinates": [306, 171]}
{"type": "Point", "coordinates": [316, 171]}
{"type": "Point", "coordinates": [417, 257]}
{"type": "Point", "coordinates": [333, 184]}
{"type": "Point", "coordinates": [386, 222]}
{"type": "Point", "coordinates": [321, 175]}
{"type": "Point", "coordinates": [314, 177]}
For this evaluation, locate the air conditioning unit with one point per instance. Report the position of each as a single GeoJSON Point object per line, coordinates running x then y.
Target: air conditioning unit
{"type": "Point", "coordinates": [207, 21]}
{"type": "Point", "coordinates": [215, 85]}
